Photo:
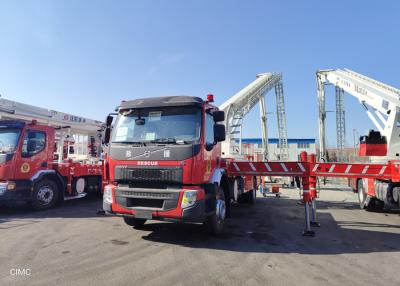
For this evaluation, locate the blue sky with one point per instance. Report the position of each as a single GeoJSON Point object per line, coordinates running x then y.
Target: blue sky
{"type": "Point", "coordinates": [84, 57]}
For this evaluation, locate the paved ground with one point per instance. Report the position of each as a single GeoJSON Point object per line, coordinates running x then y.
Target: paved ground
{"type": "Point", "coordinates": [72, 245]}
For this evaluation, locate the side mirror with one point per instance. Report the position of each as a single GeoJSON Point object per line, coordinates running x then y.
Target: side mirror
{"type": "Point", "coordinates": [219, 116]}
{"type": "Point", "coordinates": [109, 120]}
{"type": "Point", "coordinates": [107, 132]}
{"type": "Point", "coordinates": [219, 132]}
{"type": "Point", "coordinates": [107, 135]}
{"type": "Point", "coordinates": [31, 146]}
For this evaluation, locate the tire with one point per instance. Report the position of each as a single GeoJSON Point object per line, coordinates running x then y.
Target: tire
{"type": "Point", "coordinates": [215, 224]}
{"type": "Point", "coordinates": [369, 204]}
{"type": "Point", "coordinates": [227, 197]}
{"type": "Point", "coordinates": [45, 195]}
{"type": "Point", "coordinates": [135, 222]}
{"type": "Point", "coordinates": [235, 191]}
{"type": "Point", "coordinates": [361, 194]}
{"type": "Point", "coordinates": [252, 195]}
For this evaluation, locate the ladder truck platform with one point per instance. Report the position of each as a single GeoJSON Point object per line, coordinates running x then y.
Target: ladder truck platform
{"type": "Point", "coordinates": [47, 156]}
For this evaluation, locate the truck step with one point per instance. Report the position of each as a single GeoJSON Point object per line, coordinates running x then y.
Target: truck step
{"type": "Point", "coordinates": [67, 198]}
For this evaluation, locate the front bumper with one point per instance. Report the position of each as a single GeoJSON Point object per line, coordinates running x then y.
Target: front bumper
{"type": "Point", "coordinates": [155, 204]}
{"type": "Point", "coordinates": [21, 192]}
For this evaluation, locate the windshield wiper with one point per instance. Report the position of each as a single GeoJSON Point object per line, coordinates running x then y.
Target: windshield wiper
{"type": "Point", "coordinates": [169, 141]}
{"type": "Point", "coordinates": [134, 143]}
{"type": "Point", "coordinates": [164, 140]}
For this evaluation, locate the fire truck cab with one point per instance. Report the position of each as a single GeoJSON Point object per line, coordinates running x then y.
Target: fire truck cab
{"type": "Point", "coordinates": [164, 162]}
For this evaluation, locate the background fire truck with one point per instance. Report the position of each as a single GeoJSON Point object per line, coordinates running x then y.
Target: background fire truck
{"type": "Point", "coordinates": [47, 156]}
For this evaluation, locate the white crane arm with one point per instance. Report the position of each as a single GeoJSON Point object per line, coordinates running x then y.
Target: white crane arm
{"type": "Point", "coordinates": [15, 110]}
{"type": "Point", "coordinates": [240, 105]}
{"type": "Point", "coordinates": [380, 101]}
{"type": "Point", "coordinates": [377, 95]}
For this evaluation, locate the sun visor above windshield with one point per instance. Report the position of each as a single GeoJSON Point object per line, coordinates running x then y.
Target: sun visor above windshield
{"type": "Point", "coordinates": [162, 102]}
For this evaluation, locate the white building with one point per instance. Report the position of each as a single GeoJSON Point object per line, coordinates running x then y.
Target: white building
{"type": "Point", "coordinates": [253, 146]}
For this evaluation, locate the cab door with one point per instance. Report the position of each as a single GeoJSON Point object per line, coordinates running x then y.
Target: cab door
{"type": "Point", "coordinates": [211, 155]}
{"type": "Point", "coordinates": [32, 155]}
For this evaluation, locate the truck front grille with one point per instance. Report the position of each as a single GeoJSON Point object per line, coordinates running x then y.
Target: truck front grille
{"type": "Point", "coordinates": [142, 174]}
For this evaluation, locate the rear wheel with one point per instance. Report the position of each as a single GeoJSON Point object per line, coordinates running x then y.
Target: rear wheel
{"type": "Point", "coordinates": [135, 222]}
{"type": "Point", "coordinates": [367, 203]}
{"type": "Point", "coordinates": [45, 195]}
{"type": "Point", "coordinates": [253, 193]}
{"type": "Point", "coordinates": [362, 195]}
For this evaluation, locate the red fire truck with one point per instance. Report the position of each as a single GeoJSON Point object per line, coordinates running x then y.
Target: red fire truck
{"type": "Point", "coordinates": [47, 156]}
{"type": "Point", "coordinates": [164, 162]}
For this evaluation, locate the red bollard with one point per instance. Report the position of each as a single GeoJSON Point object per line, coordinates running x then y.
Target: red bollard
{"type": "Point", "coordinates": [306, 198]}
{"type": "Point", "coordinates": [313, 193]}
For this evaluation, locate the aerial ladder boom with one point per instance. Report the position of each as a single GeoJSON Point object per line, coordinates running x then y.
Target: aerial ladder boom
{"type": "Point", "coordinates": [380, 101]}
{"type": "Point", "coordinates": [239, 105]}
{"type": "Point", "coordinates": [15, 110]}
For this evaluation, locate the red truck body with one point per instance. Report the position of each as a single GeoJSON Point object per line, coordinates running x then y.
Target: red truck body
{"type": "Point", "coordinates": [172, 175]}
{"type": "Point", "coordinates": [30, 171]}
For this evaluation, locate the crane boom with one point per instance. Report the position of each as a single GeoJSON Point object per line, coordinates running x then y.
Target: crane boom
{"type": "Point", "coordinates": [239, 105]}
{"type": "Point", "coordinates": [15, 110]}
{"type": "Point", "coordinates": [380, 101]}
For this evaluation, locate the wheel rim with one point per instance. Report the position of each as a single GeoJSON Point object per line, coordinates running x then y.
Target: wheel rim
{"type": "Point", "coordinates": [220, 210]}
{"type": "Point", "coordinates": [45, 195]}
{"type": "Point", "coordinates": [235, 190]}
{"type": "Point", "coordinates": [361, 193]}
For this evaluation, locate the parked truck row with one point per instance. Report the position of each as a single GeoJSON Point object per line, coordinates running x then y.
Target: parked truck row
{"type": "Point", "coordinates": [160, 158]}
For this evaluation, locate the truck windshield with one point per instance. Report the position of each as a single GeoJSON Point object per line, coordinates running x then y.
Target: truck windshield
{"type": "Point", "coordinates": [158, 125]}
{"type": "Point", "coordinates": [9, 139]}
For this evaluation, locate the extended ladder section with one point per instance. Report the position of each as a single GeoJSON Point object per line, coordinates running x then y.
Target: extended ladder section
{"type": "Point", "coordinates": [239, 105]}
{"type": "Point", "coordinates": [75, 130]}
{"type": "Point", "coordinates": [380, 101]}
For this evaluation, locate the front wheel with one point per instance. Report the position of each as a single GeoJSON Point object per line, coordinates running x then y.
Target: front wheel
{"type": "Point", "coordinates": [215, 223]}
{"type": "Point", "coordinates": [45, 195]}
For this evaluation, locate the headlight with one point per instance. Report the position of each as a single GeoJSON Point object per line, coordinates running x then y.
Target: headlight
{"type": "Point", "coordinates": [189, 198]}
{"type": "Point", "coordinates": [11, 185]}
{"type": "Point", "coordinates": [107, 195]}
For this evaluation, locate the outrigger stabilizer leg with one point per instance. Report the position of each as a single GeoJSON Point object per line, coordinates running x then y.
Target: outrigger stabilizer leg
{"type": "Point", "coordinates": [313, 195]}
{"type": "Point", "coordinates": [307, 200]}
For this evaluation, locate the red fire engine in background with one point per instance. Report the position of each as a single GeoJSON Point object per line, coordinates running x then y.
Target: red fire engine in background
{"type": "Point", "coordinates": [47, 156]}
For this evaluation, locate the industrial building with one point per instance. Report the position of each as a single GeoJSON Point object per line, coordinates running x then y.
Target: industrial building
{"type": "Point", "coordinates": [253, 147]}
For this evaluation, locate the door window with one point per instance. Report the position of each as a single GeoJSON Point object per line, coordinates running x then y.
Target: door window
{"type": "Point", "coordinates": [209, 129]}
{"type": "Point", "coordinates": [34, 142]}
